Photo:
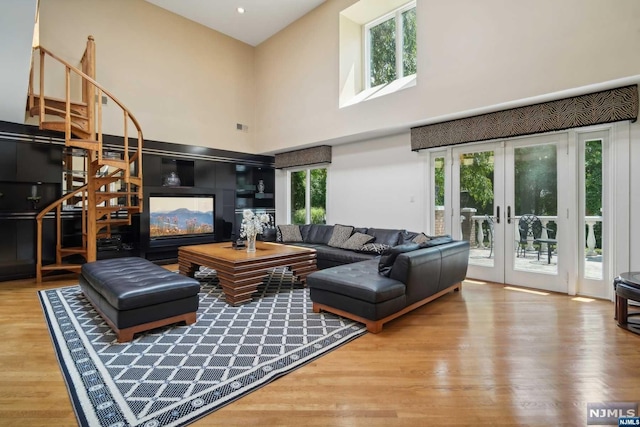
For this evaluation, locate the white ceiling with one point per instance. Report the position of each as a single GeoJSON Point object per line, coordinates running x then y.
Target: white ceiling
{"type": "Point", "coordinates": [261, 20]}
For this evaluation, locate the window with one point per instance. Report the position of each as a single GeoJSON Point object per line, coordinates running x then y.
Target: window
{"type": "Point", "coordinates": [390, 46]}
{"type": "Point", "coordinates": [308, 188]}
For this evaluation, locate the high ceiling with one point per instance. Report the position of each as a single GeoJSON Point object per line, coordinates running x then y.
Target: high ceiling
{"type": "Point", "coordinates": [261, 20]}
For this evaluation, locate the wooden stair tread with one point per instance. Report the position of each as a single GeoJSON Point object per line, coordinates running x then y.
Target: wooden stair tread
{"type": "Point", "coordinates": [58, 111]}
{"type": "Point", "coordinates": [74, 250]}
{"type": "Point", "coordinates": [87, 144]}
{"type": "Point", "coordinates": [62, 267]}
{"type": "Point", "coordinates": [61, 100]}
{"type": "Point", "coordinates": [111, 221]}
{"type": "Point", "coordinates": [61, 127]}
{"type": "Point", "coordinates": [116, 163]}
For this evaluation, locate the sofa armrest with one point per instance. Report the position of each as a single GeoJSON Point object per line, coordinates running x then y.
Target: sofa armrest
{"type": "Point", "coordinates": [428, 271]}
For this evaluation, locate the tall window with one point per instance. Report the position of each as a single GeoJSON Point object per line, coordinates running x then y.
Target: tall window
{"type": "Point", "coordinates": [390, 46]}
{"type": "Point", "coordinates": [309, 196]}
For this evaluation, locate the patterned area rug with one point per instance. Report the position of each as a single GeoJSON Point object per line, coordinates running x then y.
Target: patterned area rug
{"type": "Point", "coordinates": [172, 376]}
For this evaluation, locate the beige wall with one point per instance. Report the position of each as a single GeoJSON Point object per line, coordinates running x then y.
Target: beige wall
{"type": "Point", "coordinates": [191, 85]}
{"type": "Point", "coordinates": [471, 55]}
{"type": "Point", "coordinates": [184, 83]}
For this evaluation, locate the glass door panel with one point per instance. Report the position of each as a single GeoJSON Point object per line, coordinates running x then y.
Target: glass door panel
{"type": "Point", "coordinates": [476, 205]}
{"type": "Point", "coordinates": [477, 193]}
{"type": "Point", "coordinates": [593, 229]}
{"type": "Point", "coordinates": [536, 208]}
{"type": "Point", "coordinates": [535, 234]}
{"type": "Point", "coordinates": [438, 219]}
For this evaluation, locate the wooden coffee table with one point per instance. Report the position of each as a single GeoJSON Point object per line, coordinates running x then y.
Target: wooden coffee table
{"type": "Point", "coordinates": [241, 272]}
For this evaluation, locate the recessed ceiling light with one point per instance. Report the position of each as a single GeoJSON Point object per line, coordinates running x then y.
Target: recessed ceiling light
{"type": "Point", "coordinates": [240, 10]}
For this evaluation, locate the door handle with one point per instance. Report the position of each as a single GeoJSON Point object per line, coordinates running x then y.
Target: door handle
{"type": "Point", "coordinates": [498, 215]}
{"type": "Point", "coordinates": [508, 214]}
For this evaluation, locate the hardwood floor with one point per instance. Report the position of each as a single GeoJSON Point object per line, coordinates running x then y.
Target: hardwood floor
{"type": "Point", "coordinates": [484, 356]}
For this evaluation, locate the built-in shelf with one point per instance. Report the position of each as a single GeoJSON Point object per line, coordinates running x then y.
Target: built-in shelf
{"type": "Point", "coordinates": [184, 169]}
{"type": "Point", "coordinates": [263, 195]}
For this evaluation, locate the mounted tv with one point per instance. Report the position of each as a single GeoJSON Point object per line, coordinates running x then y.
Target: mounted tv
{"type": "Point", "coordinates": [177, 216]}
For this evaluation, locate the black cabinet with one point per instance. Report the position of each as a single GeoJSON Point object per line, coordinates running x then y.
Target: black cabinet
{"type": "Point", "coordinates": [7, 160]}
{"type": "Point", "coordinates": [38, 162]}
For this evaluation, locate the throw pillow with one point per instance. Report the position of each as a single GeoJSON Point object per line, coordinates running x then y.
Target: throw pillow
{"type": "Point", "coordinates": [421, 238]}
{"type": "Point", "coordinates": [356, 241]}
{"type": "Point", "coordinates": [341, 234]}
{"type": "Point", "coordinates": [290, 233]}
{"type": "Point", "coordinates": [374, 248]}
{"type": "Point", "coordinates": [389, 257]}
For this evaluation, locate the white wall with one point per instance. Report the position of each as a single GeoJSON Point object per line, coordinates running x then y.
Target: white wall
{"type": "Point", "coordinates": [185, 83]}
{"type": "Point", "coordinates": [377, 183]}
{"type": "Point", "coordinates": [17, 19]}
{"type": "Point", "coordinates": [471, 54]}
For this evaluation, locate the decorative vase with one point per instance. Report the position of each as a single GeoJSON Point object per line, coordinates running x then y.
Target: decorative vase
{"type": "Point", "coordinates": [251, 243]}
{"type": "Point", "coordinates": [261, 186]}
{"type": "Point", "coordinates": [172, 180]}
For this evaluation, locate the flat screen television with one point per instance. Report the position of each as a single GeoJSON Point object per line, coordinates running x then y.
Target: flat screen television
{"type": "Point", "coordinates": [184, 215]}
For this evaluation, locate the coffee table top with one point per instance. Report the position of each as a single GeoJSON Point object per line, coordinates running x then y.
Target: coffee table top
{"type": "Point", "coordinates": [264, 250]}
{"type": "Point", "coordinates": [631, 278]}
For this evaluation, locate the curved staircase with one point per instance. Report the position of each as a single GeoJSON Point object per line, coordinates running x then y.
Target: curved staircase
{"type": "Point", "coordinates": [103, 184]}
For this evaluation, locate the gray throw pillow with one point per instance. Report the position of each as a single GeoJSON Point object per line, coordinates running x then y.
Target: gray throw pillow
{"type": "Point", "coordinates": [420, 238]}
{"type": "Point", "coordinates": [290, 233]}
{"type": "Point", "coordinates": [341, 234]}
{"type": "Point", "coordinates": [373, 248]}
{"type": "Point", "coordinates": [356, 241]}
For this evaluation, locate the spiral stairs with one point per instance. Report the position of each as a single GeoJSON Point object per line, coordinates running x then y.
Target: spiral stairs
{"type": "Point", "coordinates": [101, 184]}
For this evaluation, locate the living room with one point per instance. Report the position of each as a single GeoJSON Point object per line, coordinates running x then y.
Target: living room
{"type": "Point", "coordinates": [190, 85]}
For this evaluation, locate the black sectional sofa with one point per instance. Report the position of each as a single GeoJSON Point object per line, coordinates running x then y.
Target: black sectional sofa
{"type": "Point", "coordinates": [395, 272]}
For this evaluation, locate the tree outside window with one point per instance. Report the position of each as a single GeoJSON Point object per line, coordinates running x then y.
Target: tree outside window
{"type": "Point", "coordinates": [309, 185]}
{"type": "Point", "coordinates": [391, 46]}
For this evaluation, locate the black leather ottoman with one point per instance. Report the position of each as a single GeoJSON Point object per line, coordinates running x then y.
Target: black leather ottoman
{"type": "Point", "coordinates": [627, 287]}
{"type": "Point", "coordinates": [135, 295]}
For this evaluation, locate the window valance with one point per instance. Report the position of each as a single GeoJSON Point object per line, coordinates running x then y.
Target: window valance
{"type": "Point", "coordinates": [600, 107]}
{"type": "Point", "coordinates": [304, 157]}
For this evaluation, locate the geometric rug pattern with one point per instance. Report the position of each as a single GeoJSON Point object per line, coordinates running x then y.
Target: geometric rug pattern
{"type": "Point", "coordinates": [173, 375]}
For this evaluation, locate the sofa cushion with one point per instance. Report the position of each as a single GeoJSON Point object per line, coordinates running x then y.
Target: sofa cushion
{"type": "Point", "coordinates": [389, 257]}
{"type": "Point", "coordinates": [358, 280]}
{"type": "Point", "coordinates": [362, 230]}
{"type": "Point", "coordinates": [341, 234]}
{"type": "Point", "coordinates": [436, 240]}
{"type": "Point", "coordinates": [336, 256]}
{"type": "Point", "coordinates": [356, 241]}
{"type": "Point", "coordinates": [386, 236]}
{"type": "Point", "coordinates": [319, 233]}
{"type": "Point", "coordinates": [374, 248]}
{"type": "Point", "coordinates": [290, 233]}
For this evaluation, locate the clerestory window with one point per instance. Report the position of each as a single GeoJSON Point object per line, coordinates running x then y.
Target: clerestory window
{"type": "Point", "coordinates": [390, 46]}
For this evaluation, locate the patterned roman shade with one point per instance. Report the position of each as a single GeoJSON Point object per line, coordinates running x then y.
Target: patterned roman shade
{"type": "Point", "coordinates": [307, 156]}
{"type": "Point", "coordinates": [600, 107]}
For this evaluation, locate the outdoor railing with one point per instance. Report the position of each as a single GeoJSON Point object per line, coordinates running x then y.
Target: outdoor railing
{"type": "Point", "coordinates": [479, 220]}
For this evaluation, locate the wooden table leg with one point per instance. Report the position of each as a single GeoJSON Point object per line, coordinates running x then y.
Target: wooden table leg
{"type": "Point", "coordinates": [187, 268]}
{"type": "Point", "coordinates": [622, 310]}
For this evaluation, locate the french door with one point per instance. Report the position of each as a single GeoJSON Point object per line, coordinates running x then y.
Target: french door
{"type": "Point", "coordinates": [506, 196]}
{"type": "Point", "coordinates": [536, 210]}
